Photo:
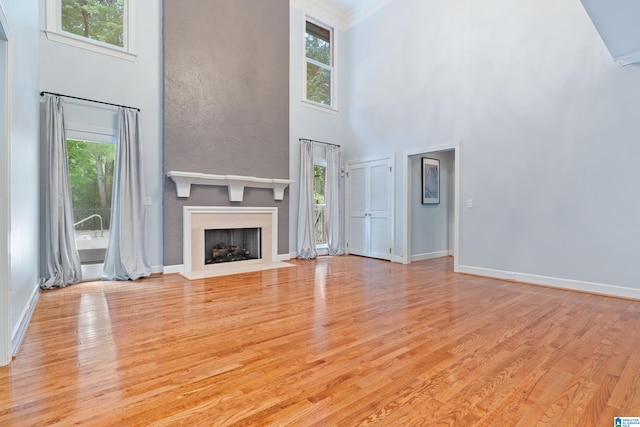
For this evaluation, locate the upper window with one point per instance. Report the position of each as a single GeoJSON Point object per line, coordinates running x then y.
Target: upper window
{"type": "Point", "coordinates": [100, 20]}
{"type": "Point", "coordinates": [99, 25]}
{"type": "Point", "coordinates": [319, 64]}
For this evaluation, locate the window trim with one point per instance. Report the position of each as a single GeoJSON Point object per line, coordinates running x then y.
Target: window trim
{"type": "Point", "coordinates": [54, 32]}
{"type": "Point", "coordinates": [333, 107]}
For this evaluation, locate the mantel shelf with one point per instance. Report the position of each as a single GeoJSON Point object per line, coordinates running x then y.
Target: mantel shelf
{"type": "Point", "coordinates": [235, 183]}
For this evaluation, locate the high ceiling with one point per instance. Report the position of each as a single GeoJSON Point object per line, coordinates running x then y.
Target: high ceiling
{"type": "Point", "coordinates": [342, 6]}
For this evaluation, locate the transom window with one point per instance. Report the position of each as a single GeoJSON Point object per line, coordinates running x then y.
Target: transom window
{"type": "Point", "coordinates": [319, 64]}
{"type": "Point", "coordinates": [100, 25]}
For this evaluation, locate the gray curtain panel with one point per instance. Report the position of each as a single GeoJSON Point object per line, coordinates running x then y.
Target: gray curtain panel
{"type": "Point", "coordinates": [332, 199]}
{"type": "Point", "coordinates": [62, 262]}
{"type": "Point", "coordinates": [306, 236]}
{"type": "Point", "coordinates": [126, 256]}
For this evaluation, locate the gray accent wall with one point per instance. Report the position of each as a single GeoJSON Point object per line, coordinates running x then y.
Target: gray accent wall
{"type": "Point", "coordinates": [226, 104]}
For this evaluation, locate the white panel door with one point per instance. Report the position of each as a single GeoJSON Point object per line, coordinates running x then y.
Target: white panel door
{"type": "Point", "coordinates": [357, 239]}
{"type": "Point", "coordinates": [379, 218]}
{"type": "Point", "coordinates": [370, 202]}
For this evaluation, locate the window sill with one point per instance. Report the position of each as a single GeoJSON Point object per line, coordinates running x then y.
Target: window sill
{"type": "Point", "coordinates": [319, 107]}
{"type": "Point", "coordinates": [88, 45]}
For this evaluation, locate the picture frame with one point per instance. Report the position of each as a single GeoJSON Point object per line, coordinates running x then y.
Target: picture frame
{"type": "Point", "coordinates": [430, 181]}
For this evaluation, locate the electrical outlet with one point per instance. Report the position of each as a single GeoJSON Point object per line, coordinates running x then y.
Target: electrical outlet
{"type": "Point", "coordinates": [469, 203]}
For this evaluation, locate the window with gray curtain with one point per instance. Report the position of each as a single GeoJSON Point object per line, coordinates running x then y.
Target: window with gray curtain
{"type": "Point", "coordinates": [306, 230]}
{"type": "Point", "coordinates": [61, 263]}
{"type": "Point", "coordinates": [126, 256]}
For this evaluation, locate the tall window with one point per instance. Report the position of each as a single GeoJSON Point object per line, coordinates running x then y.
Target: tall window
{"type": "Point", "coordinates": [319, 64]}
{"type": "Point", "coordinates": [319, 206]}
{"type": "Point", "coordinates": [91, 166]}
{"type": "Point", "coordinates": [98, 25]}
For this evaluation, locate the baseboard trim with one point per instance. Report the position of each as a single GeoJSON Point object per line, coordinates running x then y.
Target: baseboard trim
{"type": "Point", "coordinates": [171, 269]}
{"type": "Point", "coordinates": [284, 257]}
{"type": "Point", "coordinates": [429, 255]}
{"type": "Point", "coordinates": [554, 282]}
{"type": "Point", "coordinates": [157, 269]}
{"type": "Point", "coordinates": [20, 330]}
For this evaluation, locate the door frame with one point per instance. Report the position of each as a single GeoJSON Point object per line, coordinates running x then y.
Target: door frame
{"type": "Point", "coordinates": [408, 191]}
{"type": "Point", "coordinates": [391, 158]}
{"type": "Point", "coordinates": [5, 193]}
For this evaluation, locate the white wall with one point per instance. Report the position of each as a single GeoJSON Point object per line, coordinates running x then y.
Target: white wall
{"type": "Point", "coordinates": [78, 72]}
{"type": "Point", "coordinates": [306, 122]}
{"type": "Point", "coordinates": [547, 122]}
{"type": "Point", "coordinates": [5, 194]}
{"type": "Point", "coordinates": [22, 20]}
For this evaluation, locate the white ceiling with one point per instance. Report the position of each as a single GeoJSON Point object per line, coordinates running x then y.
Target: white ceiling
{"type": "Point", "coordinates": [344, 7]}
{"type": "Point", "coordinates": [343, 13]}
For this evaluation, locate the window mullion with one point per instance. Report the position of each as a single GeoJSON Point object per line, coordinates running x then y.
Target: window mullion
{"type": "Point", "coordinates": [320, 64]}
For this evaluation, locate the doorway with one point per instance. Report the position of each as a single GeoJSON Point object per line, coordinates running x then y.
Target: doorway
{"type": "Point", "coordinates": [411, 193]}
{"type": "Point", "coordinates": [91, 167]}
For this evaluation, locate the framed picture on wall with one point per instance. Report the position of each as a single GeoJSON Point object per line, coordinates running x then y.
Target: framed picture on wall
{"type": "Point", "coordinates": [430, 181]}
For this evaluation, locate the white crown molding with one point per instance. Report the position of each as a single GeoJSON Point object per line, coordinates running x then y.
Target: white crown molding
{"type": "Point", "coordinates": [367, 9]}
{"type": "Point", "coordinates": [321, 12]}
{"type": "Point", "coordinates": [343, 21]}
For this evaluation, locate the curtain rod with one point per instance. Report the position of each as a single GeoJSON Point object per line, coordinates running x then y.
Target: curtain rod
{"type": "Point", "coordinates": [318, 142]}
{"type": "Point", "coordinates": [85, 99]}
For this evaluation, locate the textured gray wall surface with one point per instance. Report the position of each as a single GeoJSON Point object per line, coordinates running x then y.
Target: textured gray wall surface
{"type": "Point", "coordinates": [226, 104]}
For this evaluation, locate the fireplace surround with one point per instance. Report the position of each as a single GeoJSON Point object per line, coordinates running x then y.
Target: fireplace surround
{"type": "Point", "coordinates": [197, 219]}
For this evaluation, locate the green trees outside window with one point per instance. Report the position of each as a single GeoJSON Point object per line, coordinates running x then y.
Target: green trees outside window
{"type": "Point", "coordinates": [319, 64]}
{"type": "Point", "coordinates": [319, 206]}
{"type": "Point", "coordinates": [100, 20]}
{"type": "Point", "coordinates": [91, 167]}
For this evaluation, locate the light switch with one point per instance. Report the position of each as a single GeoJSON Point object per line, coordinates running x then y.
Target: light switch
{"type": "Point", "coordinates": [147, 201]}
{"type": "Point", "coordinates": [469, 203]}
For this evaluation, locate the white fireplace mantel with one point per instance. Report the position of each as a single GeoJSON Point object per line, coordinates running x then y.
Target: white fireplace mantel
{"type": "Point", "coordinates": [235, 183]}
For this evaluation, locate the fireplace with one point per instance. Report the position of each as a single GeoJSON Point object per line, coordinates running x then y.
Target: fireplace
{"type": "Point", "coordinates": [232, 244]}
{"type": "Point", "coordinates": [229, 230]}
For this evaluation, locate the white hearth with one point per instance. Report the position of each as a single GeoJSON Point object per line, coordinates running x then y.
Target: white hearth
{"type": "Point", "coordinates": [197, 219]}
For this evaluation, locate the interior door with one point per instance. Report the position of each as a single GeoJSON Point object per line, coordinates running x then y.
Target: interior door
{"type": "Point", "coordinates": [379, 208]}
{"type": "Point", "coordinates": [370, 202]}
{"type": "Point", "coordinates": [357, 238]}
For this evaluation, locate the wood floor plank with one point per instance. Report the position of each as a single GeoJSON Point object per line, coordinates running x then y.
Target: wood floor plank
{"type": "Point", "coordinates": [338, 341]}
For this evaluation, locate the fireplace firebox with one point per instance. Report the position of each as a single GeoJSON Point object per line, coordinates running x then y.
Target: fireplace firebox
{"type": "Point", "coordinates": [232, 244]}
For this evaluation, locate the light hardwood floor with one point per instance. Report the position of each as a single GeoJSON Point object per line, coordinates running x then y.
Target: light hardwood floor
{"type": "Point", "coordinates": [339, 341]}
